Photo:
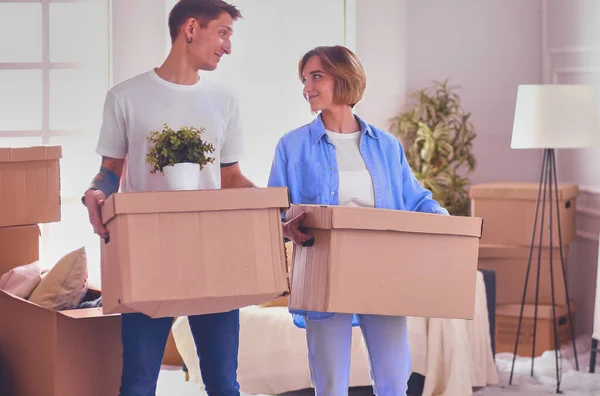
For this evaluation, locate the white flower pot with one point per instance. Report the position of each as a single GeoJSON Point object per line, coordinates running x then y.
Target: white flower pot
{"type": "Point", "coordinates": [184, 176]}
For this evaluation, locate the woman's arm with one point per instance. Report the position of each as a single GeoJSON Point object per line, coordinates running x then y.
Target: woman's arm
{"type": "Point", "coordinates": [416, 197]}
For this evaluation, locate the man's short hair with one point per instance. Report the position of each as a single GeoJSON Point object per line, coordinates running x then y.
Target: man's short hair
{"type": "Point", "coordinates": [203, 10]}
{"type": "Point", "coordinates": [350, 79]}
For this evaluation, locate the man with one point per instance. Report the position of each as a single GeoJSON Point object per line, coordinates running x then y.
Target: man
{"type": "Point", "coordinates": [174, 94]}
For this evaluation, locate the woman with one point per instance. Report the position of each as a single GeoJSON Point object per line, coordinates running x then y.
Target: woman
{"type": "Point", "coordinates": [339, 159]}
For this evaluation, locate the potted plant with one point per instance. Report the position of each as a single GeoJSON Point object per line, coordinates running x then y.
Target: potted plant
{"type": "Point", "coordinates": [179, 155]}
{"type": "Point", "coordinates": [437, 137]}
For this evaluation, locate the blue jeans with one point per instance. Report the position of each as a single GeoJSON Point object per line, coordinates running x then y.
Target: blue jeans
{"type": "Point", "coordinates": [386, 338]}
{"type": "Point", "coordinates": [144, 340]}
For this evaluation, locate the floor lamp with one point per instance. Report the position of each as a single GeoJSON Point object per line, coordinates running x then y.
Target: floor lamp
{"type": "Point", "coordinates": [551, 117]}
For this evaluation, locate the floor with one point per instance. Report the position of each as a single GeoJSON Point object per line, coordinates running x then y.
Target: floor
{"type": "Point", "coordinates": [573, 382]}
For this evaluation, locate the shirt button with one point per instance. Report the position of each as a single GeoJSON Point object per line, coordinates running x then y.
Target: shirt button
{"type": "Point", "coordinates": [333, 193]}
{"type": "Point", "coordinates": [332, 168]}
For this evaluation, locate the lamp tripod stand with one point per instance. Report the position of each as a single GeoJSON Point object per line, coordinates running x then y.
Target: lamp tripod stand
{"type": "Point", "coordinates": [548, 186]}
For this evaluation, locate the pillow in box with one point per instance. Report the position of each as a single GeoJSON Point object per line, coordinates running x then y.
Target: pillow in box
{"type": "Point", "coordinates": [283, 300]}
{"type": "Point", "coordinates": [22, 280]}
{"type": "Point", "coordinates": [65, 285]}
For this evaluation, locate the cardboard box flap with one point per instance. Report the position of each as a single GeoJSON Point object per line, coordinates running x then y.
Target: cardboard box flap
{"type": "Point", "coordinates": [543, 311]}
{"type": "Point", "coordinates": [340, 217]}
{"type": "Point", "coordinates": [194, 201]}
{"type": "Point", "coordinates": [524, 191]}
{"type": "Point", "coordinates": [489, 251]}
{"type": "Point", "coordinates": [81, 313]}
{"type": "Point", "coordinates": [84, 313]}
{"type": "Point", "coordinates": [39, 153]}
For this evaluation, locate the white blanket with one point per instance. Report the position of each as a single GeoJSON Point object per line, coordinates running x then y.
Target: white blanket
{"type": "Point", "coordinates": [453, 355]}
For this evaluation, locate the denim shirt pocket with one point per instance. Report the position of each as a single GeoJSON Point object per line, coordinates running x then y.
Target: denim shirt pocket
{"type": "Point", "coordinates": [309, 177]}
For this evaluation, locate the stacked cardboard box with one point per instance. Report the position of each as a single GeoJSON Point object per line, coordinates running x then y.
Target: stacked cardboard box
{"type": "Point", "coordinates": [45, 352]}
{"type": "Point", "coordinates": [508, 211]}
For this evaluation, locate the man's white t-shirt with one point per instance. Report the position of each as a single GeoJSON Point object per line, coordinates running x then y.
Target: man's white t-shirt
{"type": "Point", "coordinates": [144, 103]}
{"type": "Point", "coordinates": [355, 182]}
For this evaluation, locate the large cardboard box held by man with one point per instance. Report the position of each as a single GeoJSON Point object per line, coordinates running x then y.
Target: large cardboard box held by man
{"type": "Point", "coordinates": [508, 210]}
{"type": "Point", "coordinates": [386, 262]}
{"type": "Point", "coordinates": [29, 185]}
{"type": "Point", "coordinates": [510, 266]}
{"type": "Point", "coordinates": [180, 253]}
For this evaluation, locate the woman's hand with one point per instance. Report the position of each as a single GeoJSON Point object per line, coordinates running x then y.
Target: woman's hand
{"type": "Point", "coordinates": [292, 231]}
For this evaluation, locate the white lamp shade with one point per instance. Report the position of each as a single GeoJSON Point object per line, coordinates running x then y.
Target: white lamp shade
{"type": "Point", "coordinates": [555, 116]}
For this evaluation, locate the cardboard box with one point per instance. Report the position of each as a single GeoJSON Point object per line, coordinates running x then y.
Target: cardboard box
{"type": "Point", "coordinates": [283, 301]}
{"type": "Point", "coordinates": [29, 185]}
{"type": "Point", "coordinates": [18, 246]}
{"type": "Point", "coordinates": [183, 253]}
{"type": "Point", "coordinates": [510, 265]}
{"type": "Point", "coordinates": [507, 323]}
{"type": "Point", "coordinates": [509, 210]}
{"type": "Point", "coordinates": [386, 262]}
{"type": "Point", "coordinates": [50, 353]}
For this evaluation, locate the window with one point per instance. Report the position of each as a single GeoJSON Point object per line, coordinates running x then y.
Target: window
{"type": "Point", "coordinates": [54, 72]}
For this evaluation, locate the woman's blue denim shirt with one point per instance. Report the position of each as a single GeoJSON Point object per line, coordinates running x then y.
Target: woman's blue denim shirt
{"type": "Point", "coordinates": [305, 162]}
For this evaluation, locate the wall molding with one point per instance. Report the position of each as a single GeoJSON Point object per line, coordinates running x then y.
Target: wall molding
{"type": "Point", "coordinates": [549, 74]}
{"type": "Point", "coordinates": [556, 72]}
{"type": "Point", "coordinates": [546, 68]}
{"type": "Point", "coordinates": [582, 49]}
{"type": "Point", "coordinates": [588, 210]}
{"type": "Point", "coordinates": [350, 24]}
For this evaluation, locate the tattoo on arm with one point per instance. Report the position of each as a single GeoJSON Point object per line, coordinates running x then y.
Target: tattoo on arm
{"type": "Point", "coordinates": [107, 179]}
{"type": "Point", "coordinates": [110, 164]}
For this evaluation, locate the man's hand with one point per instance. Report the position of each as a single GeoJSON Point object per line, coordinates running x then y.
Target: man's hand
{"type": "Point", "coordinates": [292, 231]}
{"type": "Point", "coordinates": [105, 183]}
{"type": "Point", "coordinates": [94, 199]}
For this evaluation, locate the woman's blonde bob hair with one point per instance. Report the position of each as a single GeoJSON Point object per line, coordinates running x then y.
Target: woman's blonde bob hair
{"type": "Point", "coordinates": [350, 79]}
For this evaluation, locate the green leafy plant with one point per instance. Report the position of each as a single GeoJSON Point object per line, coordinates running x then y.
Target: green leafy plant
{"type": "Point", "coordinates": [169, 147]}
{"type": "Point", "coordinates": [437, 137]}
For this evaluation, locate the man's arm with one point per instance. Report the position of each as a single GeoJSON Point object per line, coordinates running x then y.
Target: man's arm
{"type": "Point", "coordinates": [108, 178]}
{"type": "Point", "coordinates": [105, 183]}
{"type": "Point", "coordinates": [232, 177]}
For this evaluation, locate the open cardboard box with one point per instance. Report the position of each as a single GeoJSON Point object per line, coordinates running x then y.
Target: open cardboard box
{"type": "Point", "coordinates": [180, 253]}
{"type": "Point", "coordinates": [29, 185]}
{"type": "Point", "coordinates": [386, 262]}
{"type": "Point", "coordinates": [58, 353]}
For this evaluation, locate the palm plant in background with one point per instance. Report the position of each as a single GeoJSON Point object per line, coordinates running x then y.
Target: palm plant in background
{"type": "Point", "coordinates": [437, 137]}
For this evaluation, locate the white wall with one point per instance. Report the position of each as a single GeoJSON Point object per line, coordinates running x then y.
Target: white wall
{"type": "Point", "coordinates": [381, 44]}
{"type": "Point", "coordinates": [571, 48]}
{"type": "Point", "coordinates": [138, 37]}
{"type": "Point", "coordinates": [487, 47]}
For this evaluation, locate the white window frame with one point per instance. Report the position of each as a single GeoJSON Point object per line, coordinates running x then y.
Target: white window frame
{"type": "Point", "coordinates": [45, 132]}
